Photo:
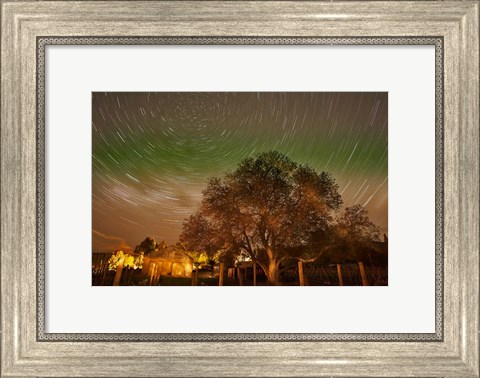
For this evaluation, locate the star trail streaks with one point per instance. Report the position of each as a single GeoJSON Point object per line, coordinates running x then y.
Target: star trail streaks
{"type": "Point", "coordinates": [153, 152]}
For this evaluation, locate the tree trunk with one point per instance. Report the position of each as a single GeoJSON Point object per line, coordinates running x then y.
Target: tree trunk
{"type": "Point", "coordinates": [272, 272]}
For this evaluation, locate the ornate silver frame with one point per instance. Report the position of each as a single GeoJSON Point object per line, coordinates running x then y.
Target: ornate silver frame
{"type": "Point", "coordinates": [452, 26]}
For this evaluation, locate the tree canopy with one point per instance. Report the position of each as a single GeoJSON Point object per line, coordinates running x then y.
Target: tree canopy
{"type": "Point", "coordinates": [355, 226]}
{"type": "Point", "coordinates": [356, 235]}
{"type": "Point", "coordinates": [268, 209]}
{"type": "Point", "coordinates": [146, 246]}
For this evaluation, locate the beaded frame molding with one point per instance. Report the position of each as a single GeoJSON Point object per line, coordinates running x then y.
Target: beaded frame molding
{"type": "Point", "coordinates": [43, 42]}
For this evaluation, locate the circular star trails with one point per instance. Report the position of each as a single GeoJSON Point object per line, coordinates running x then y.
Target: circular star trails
{"type": "Point", "coordinates": [153, 152]}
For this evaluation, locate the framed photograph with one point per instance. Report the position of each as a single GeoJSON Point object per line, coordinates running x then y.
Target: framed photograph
{"type": "Point", "coordinates": [240, 188]}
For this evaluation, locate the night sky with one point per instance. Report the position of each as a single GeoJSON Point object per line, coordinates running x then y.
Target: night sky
{"type": "Point", "coordinates": [153, 152]}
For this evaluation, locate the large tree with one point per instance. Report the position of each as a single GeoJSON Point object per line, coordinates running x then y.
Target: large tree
{"type": "Point", "coordinates": [269, 209]}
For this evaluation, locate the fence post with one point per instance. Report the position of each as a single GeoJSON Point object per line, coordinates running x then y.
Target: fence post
{"type": "Point", "coordinates": [362, 273]}
{"type": "Point", "coordinates": [254, 274]}
{"type": "Point", "coordinates": [240, 277]}
{"type": "Point", "coordinates": [339, 272]}
{"type": "Point", "coordinates": [220, 275]}
{"type": "Point", "coordinates": [195, 277]}
{"type": "Point", "coordinates": [118, 274]}
{"type": "Point", "coordinates": [156, 273]}
{"type": "Point", "coordinates": [150, 273]}
{"type": "Point", "coordinates": [301, 277]}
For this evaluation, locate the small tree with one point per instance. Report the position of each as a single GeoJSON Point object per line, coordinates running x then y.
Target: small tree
{"type": "Point", "coordinates": [146, 246]}
{"type": "Point", "coordinates": [356, 233]}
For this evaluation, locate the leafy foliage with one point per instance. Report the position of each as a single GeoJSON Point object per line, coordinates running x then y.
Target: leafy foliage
{"type": "Point", "coordinates": [269, 209]}
{"type": "Point", "coordinates": [355, 226]}
{"type": "Point", "coordinates": [129, 261]}
{"type": "Point", "coordinates": [356, 237]}
{"type": "Point", "coordinates": [146, 246]}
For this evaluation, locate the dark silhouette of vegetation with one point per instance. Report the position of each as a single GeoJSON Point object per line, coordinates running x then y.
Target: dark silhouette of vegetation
{"type": "Point", "coordinates": [357, 236]}
{"type": "Point", "coordinates": [146, 246]}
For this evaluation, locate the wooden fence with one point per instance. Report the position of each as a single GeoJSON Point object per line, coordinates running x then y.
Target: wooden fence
{"type": "Point", "coordinates": [356, 274]}
{"type": "Point", "coordinates": [337, 275]}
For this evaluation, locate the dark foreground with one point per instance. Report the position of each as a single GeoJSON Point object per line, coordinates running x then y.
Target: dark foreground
{"type": "Point", "coordinates": [314, 276]}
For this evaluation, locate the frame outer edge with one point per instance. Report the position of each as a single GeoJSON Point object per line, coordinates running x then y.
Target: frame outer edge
{"type": "Point", "coordinates": [10, 185]}
{"type": "Point", "coordinates": [11, 206]}
{"type": "Point", "coordinates": [469, 184]}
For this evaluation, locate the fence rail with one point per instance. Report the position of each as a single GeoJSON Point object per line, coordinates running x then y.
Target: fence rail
{"type": "Point", "coordinates": [313, 275]}
{"type": "Point", "coordinates": [329, 275]}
